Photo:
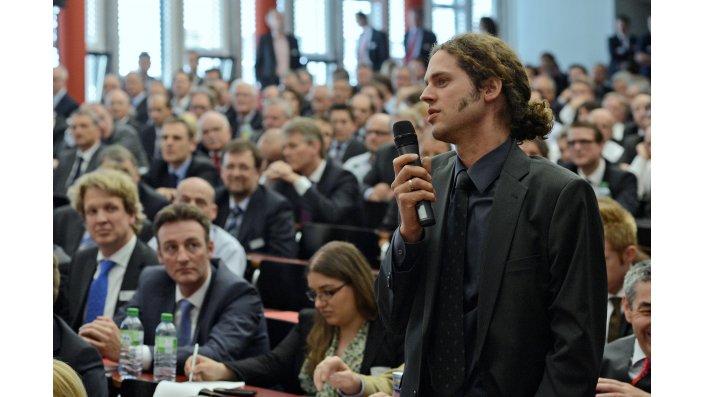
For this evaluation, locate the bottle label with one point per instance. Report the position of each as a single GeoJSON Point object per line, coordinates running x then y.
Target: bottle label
{"type": "Point", "coordinates": [131, 337]}
{"type": "Point", "coordinates": [165, 344]}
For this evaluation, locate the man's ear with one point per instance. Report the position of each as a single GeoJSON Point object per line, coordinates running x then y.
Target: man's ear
{"type": "Point", "coordinates": [492, 88]}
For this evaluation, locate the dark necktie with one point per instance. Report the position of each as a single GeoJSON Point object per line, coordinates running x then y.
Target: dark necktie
{"type": "Point", "coordinates": [184, 331]}
{"type": "Point", "coordinates": [173, 180]}
{"type": "Point", "coordinates": [215, 159]}
{"type": "Point", "coordinates": [232, 224]}
{"type": "Point", "coordinates": [77, 171]}
{"type": "Point", "coordinates": [448, 346]}
{"type": "Point", "coordinates": [615, 319]}
{"type": "Point", "coordinates": [95, 305]}
{"type": "Point", "coordinates": [645, 369]}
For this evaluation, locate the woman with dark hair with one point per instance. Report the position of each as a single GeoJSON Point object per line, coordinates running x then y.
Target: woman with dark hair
{"type": "Point", "coordinates": [488, 26]}
{"type": "Point", "coordinates": [344, 324]}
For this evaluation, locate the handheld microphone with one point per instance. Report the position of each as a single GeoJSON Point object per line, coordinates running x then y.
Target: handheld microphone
{"type": "Point", "coordinates": [406, 142]}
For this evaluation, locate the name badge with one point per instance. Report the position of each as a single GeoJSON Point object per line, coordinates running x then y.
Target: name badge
{"type": "Point", "coordinates": [125, 295]}
{"type": "Point", "coordinates": [256, 243]}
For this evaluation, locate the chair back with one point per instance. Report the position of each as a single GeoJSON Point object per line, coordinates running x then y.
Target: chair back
{"type": "Point", "coordinates": [315, 235]}
{"type": "Point", "coordinates": [283, 285]}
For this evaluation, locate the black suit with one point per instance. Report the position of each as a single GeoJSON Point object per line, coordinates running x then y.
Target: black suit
{"type": "Point", "coordinates": [66, 106]}
{"type": "Point", "coordinates": [126, 135]}
{"type": "Point", "coordinates": [266, 61]}
{"type": "Point", "coordinates": [201, 166]}
{"type": "Point", "coordinates": [621, 59]}
{"type": "Point", "coordinates": [378, 49]}
{"type": "Point", "coordinates": [81, 357]}
{"type": "Point", "coordinates": [69, 229]}
{"type": "Point", "coordinates": [151, 201]}
{"type": "Point", "coordinates": [382, 168]}
{"type": "Point", "coordinates": [282, 365]}
{"type": "Point", "coordinates": [268, 224]}
{"type": "Point", "coordinates": [427, 41]}
{"type": "Point", "coordinates": [622, 185]}
{"type": "Point", "coordinates": [80, 275]}
{"type": "Point", "coordinates": [255, 123]}
{"type": "Point", "coordinates": [542, 289]}
{"type": "Point", "coordinates": [62, 173]}
{"type": "Point", "coordinates": [617, 360]}
{"type": "Point", "coordinates": [354, 148]}
{"type": "Point", "coordinates": [148, 137]}
{"type": "Point", "coordinates": [142, 111]}
{"type": "Point", "coordinates": [335, 199]}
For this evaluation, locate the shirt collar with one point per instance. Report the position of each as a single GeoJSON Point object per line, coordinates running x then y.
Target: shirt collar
{"type": "Point", "coordinates": [138, 98]}
{"type": "Point", "coordinates": [199, 296]}
{"type": "Point", "coordinates": [86, 155]}
{"type": "Point", "coordinates": [242, 204]}
{"type": "Point", "coordinates": [315, 177]}
{"type": "Point", "coordinates": [57, 97]}
{"type": "Point", "coordinates": [122, 256]}
{"type": "Point", "coordinates": [181, 170]}
{"type": "Point", "coordinates": [597, 176]}
{"type": "Point", "coordinates": [488, 167]}
{"type": "Point", "coordinates": [638, 354]}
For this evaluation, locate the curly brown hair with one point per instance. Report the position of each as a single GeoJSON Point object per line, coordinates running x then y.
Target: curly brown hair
{"type": "Point", "coordinates": [483, 57]}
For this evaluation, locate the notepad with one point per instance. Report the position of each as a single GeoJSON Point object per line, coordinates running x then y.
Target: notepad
{"type": "Point", "coordinates": [189, 389]}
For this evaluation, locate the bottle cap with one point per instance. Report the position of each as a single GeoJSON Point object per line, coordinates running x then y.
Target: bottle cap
{"type": "Point", "coordinates": [167, 317]}
{"type": "Point", "coordinates": [133, 311]}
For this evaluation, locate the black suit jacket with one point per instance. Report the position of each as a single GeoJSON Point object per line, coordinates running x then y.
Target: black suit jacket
{"type": "Point", "coordinates": [151, 201]}
{"type": "Point", "coordinates": [617, 360]}
{"type": "Point", "coordinates": [255, 123]}
{"type": "Point", "coordinates": [201, 166]}
{"type": "Point", "coordinates": [282, 365]}
{"type": "Point", "coordinates": [622, 185]}
{"type": "Point", "coordinates": [80, 275]}
{"type": "Point", "coordinates": [63, 172]}
{"type": "Point", "coordinates": [619, 60]}
{"type": "Point", "coordinates": [69, 229]}
{"type": "Point", "coordinates": [427, 42]}
{"type": "Point", "coordinates": [142, 111]}
{"type": "Point", "coordinates": [66, 106]}
{"type": "Point", "coordinates": [231, 324]}
{"type": "Point", "coordinates": [378, 49]}
{"type": "Point", "coordinates": [353, 149]}
{"type": "Point", "coordinates": [148, 136]}
{"type": "Point", "coordinates": [266, 62]}
{"type": "Point", "coordinates": [82, 357]}
{"type": "Point", "coordinates": [543, 287]}
{"type": "Point", "coordinates": [382, 168]}
{"type": "Point", "coordinates": [268, 224]}
{"type": "Point", "coordinates": [334, 199]}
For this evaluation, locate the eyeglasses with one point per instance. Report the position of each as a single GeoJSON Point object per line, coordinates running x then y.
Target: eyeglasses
{"type": "Point", "coordinates": [325, 295]}
{"type": "Point", "coordinates": [378, 132]}
{"type": "Point", "coordinates": [582, 142]}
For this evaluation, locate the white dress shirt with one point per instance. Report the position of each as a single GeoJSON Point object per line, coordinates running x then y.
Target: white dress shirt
{"type": "Point", "coordinates": [116, 275]}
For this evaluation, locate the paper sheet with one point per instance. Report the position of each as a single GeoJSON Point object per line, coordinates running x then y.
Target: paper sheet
{"type": "Point", "coordinates": [189, 389]}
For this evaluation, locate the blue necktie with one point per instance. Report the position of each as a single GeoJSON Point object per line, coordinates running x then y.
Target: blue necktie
{"type": "Point", "coordinates": [184, 331]}
{"type": "Point", "coordinates": [173, 180]}
{"type": "Point", "coordinates": [232, 224]}
{"type": "Point", "coordinates": [98, 291]}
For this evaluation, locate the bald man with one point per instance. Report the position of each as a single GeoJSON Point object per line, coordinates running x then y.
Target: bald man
{"type": "Point", "coordinates": [199, 193]}
{"type": "Point", "coordinates": [603, 119]}
{"type": "Point", "coordinates": [214, 130]}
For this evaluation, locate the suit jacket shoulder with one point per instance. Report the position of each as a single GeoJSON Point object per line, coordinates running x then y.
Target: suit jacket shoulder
{"type": "Point", "coordinates": [616, 362]}
{"type": "Point", "coordinates": [202, 167]}
{"type": "Point", "coordinates": [81, 357]}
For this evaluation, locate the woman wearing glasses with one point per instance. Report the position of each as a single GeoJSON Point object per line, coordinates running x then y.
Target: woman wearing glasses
{"type": "Point", "coordinates": [344, 324]}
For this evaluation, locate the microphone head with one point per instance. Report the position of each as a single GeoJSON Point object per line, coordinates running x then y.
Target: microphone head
{"type": "Point", "coordinates": [404, 133]}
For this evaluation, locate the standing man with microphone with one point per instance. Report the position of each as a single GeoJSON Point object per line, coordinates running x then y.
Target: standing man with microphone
{"type": "Point", "coordinates": [504, 295]}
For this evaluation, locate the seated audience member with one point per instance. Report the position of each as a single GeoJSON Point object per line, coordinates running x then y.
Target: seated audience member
{"type": "Point", "coordinates": [320, 190]}
{"type": "Point", "coordinates": [585, 144]}
{"type": "Point", "coordinates": [641, 167]}
{"type": "Point", "coordinates": [378, 132]}
{"type": "Point", "coordinates": [334, 372]}
{"type": "Point", "coordinates": [83, 158]}
{"type": "Point", "coordinates": [123, 134]}
{"type": "Point", "coordinates": [344, 324]}
{"type": "Point", "coordinates": [620, 253]}
{"type": "Point", "coordinates": [626, 364]}
{"type": "Point", "coordinates": [271, 145]}
{"type": "Point", "coordinates": [215, 133]}
{"type": "Point", "coordinates": [581, 91]}
{"type": "Point", "coordinates": [111, 81]}
{"type": "Point", "coordinates": [362, 108]}
{"type": "Point", "coordinates": [202, 101]}
{"type": "Point", "coordinates": [618, 106]}
{"type": "Point", "coordinates": [214, 308]}
{"type": "Point", "coordinates": [151, 133]}
{"type": "Point", "coordinates": [178, 160]}
{"type": "Point", "coordinates": [344, 145]}
{"type": "Point", "coordinates": [119, 158]}
{"type": "Point", "coordinates": [118, 105]}
{"type": "Point", "coordinates": [245, 120]}
{"type": "Point", "coordinates": [321, 101]}
{"type": "Point", "coordinates": [66, 381]}
{"type": "Point", "coordinates": [604, 121]}
{"type": "Point", "coordinates": [101, 279]}
{"type": "Point", "coordinates": [181, 88]}
{"type": "Point", "coordinates": [275, 114]}
{"type": "Point", "coordinates": [259, 217]}
{"type": "Point", "coordinates": [135, 88]}
{"type": "Point", "coordinates": [633, 135]}
{"type": "Point", "coordinates": [64, 105]}
{"type": "Point", "coordinates": [296, 101]}
{"type": "Point", "coordinates": [200, 194]}
{"type": "Point", "coordinates": [342, 91]}
{"type": "Point", "coordinates": [535, 147]}
{"type": "Point", "coordinates": [326, 128]}
{"type": "Point", "coordinates": [77, 353]}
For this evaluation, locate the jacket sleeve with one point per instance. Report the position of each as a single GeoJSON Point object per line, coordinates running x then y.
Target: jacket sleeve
{"type": "Point", "coordinates": [576, 294]}
{"type": "Point", "coordinates": [339, 205]}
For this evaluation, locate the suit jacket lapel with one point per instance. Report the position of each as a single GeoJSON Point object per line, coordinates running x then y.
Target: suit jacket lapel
{"type": "Point", "coordinates": [134, 268]}
{"type": "Point", "coordinates": [442, 178]}
{"type": "Point", "coordinates": [253, 210]}
{"type": "Point", "coordinates": [508, 199]}
{"type": "Point", "coordinates": [83, 280]}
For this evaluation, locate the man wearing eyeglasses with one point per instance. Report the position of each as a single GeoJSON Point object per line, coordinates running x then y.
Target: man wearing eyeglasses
{"type": "Point", "coordinates": [378, 132]}
{"type": "Point", "coordinates": [212, 306]}
{"type": "Point", "coordinates": [585, 144]}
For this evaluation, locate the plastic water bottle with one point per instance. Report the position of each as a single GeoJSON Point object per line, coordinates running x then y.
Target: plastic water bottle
{"type": "Point", "coordinates": [131, 341]}
{"type": "Point", "coordinates": [165, 345]}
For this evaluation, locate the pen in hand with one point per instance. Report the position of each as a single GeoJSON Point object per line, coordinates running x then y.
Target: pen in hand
{"type": "Point", "coordinates": [193, 361]}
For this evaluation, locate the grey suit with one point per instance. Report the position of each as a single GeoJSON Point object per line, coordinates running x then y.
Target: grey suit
{"type": "Point", "coordinates": [231, 324]}
{"type": "Point", "coordinates": [542, 288]}
{"type": "Point", "coordinates": [617, 360]}
{"type": "Point", "coordinates": [80, 275]}
{"type": "Point", "coordinates": [62, 173]}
